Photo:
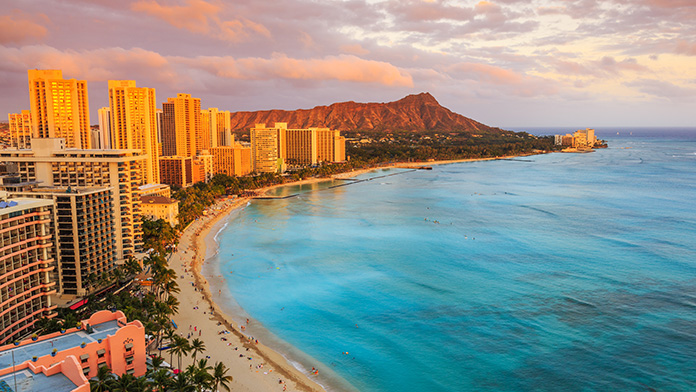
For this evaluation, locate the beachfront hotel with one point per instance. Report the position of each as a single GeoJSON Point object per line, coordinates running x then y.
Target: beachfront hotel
{"type": "Point", "coordinates": [59, 108]}
{"type": "Point", "coordinates": [160, 207]}
{"type": "Point", "coordinates": [134, 124]}
{"type": "Point", "coordinates": [27, 264]}
{"type": "Point", "coordinates": [20, 129]}
{"type": "Point", "coordinates": [66, 360]}
{"type": "Point", "coordinates": [232, 160]}
{"type": "Point", "coordinates": [277, 148]}
{"type": "Point", "coordinates": [84, 226]}
{"type": "Point", "coordinates": [155, 190]}
{"type": "Point", "coordinates": [579, 139]}
{"type": "Point", "coordinates": [54, 165]}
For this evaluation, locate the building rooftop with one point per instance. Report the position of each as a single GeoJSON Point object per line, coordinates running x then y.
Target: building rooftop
{"type": "Point", "coordinates": [20, 204]}
{"type": "Point", "coordinates": [63, 342]}
{"type": "Point", "coordinates": [147, 187]}
{"type": "Point", "coordinates": [157, 200]}
{"type": "Point", "coordinates": [27, 381]}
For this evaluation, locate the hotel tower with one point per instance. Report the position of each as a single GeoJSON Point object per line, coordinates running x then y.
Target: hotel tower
{"type": "Point", "coordinates": [134, 124]}
{"type": "Point", "coordinates": [59, 108]}
{"type": "Point", "coordinates": [27, 263]}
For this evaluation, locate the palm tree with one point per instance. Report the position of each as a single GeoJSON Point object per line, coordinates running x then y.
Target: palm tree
{"type": "Point", "coordinates": [132, 266]}
{"type": "Point", "coordinates": [156, 365]}
{"type": "Point", "coordinates": [125, 383]}
{"type": "Point", "coordinates": [182, 384]}
{"type": "Point", "coordinates": [171, 336]}
{"type": "Point", "coordinates": [102, 381]}
{"type": "Point", "coordinates": [69, 321]}
{"type": "Point", "coordinates": [161, 380]}
{"type": "Point", "coordinates": [181, 347]}
{"type": "Point", "coordinates": [219, 377]}
{"type": "Point", "coordinates": [200, 374]}
{"type": "Point", "coordinates": [197, 347]}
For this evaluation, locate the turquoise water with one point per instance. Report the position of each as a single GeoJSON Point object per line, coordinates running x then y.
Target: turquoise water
{"type": "Point", "coordinates": [558, 272]}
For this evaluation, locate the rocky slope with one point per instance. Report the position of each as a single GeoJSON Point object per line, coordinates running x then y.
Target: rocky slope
{"type": "Point", "coordinates": [420, 113]}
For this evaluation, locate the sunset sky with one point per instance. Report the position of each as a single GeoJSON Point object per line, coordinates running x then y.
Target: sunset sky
{"type": "Point", "coordinates": [507, 63]}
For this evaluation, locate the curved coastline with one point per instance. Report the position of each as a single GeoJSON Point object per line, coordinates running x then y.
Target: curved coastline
{"type": "Point", "coordinates": [199, 243]}
{"type": "Point", "coordinates": [266, 368]}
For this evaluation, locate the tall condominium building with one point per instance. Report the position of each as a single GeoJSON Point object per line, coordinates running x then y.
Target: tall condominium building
{"type": "Point", "coordinates": [54, 165]}
{"type": "Point", "coordinates": [265, 150]}
{"type": "Point", "coordinates": [85, 231]}
{"type": "Point", "coordinates": [216, 128]}
{"type": "Point", "coordinates": [104, 129]}
{"type": "Point", "coordinates": [168, 129]}
{"type": "Point", "coordinates": [294, 147]}
{"type": "Point", "coordinates": [159, 115]}
{"type": "Point", "coordinates": [59, 108]}
{"type": "Point", "coordinates": [224, 129]}
{"type": "Point", "coordinates": [209, 127]}
{"type": "Point", "coordinates": [184, 113]}
{"type": "Point", "coordinates": [27, 264]}
{"type": "Point", "coordinates": [232, 160]}
{"type": "Point", "coordinates": [134, 124]}
{"type": "Point", "coordinates": [20, 129]}
{"type": "Point", "coordinates": [176, 171]}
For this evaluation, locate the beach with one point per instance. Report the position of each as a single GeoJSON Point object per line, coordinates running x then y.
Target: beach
{"type": "Point", "coordinates": [254, 366]}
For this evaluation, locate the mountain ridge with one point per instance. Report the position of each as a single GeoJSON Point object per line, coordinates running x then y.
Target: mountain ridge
{"type": "Point", "coordinates": [415, 112]}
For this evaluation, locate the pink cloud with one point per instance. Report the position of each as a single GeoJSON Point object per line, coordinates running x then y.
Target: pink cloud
{"type": "Point", "coordinates": [91, 65]}
{"type": "Point", "coordinates": [492, 79]}
{"type": "Point", "coordinates": [192, 17]}
{"type": "Point", "coordinates": [687, 48]}
{"type": "Point", "coordinates": [18, 27]}
{"type": "Point", "coordinates": [346, 68]}
{"type": "Point", "coordinates": [485, 72]}
{"type": "Point", "coordinates": [356, 49]}
{"type": "Point", "coordinates": [607, 66]}
{"type": "Point", "coordinates": [201, 17]}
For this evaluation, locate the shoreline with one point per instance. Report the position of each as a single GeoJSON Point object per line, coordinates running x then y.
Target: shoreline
{"type": "Point", "coordinates": [198, 238]}
{"type": "Point", "coordinates": [266, 366]}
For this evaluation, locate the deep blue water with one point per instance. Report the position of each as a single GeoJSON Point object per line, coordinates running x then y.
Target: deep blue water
{"type": "Point", "coordinates": [558, 272]}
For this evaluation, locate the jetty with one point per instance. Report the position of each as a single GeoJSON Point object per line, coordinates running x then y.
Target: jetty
{"type": "Point", "coordinates": [267, 197]}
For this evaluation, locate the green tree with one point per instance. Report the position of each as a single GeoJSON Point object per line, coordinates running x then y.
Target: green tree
{"type": "Point", "coordinates": [102, 381]}
{"type": "Point", "coordinates": [220, 377]}
{"type": "Point", "coordinates": [197, 347]}
{"type": "Point", "coordinates": [181, 347]}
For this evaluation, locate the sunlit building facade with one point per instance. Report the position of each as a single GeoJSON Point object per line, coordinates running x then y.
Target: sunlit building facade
{"type": "Point", "coordinates": [294, 148]}
{"type": "Point", "coordinates": [176, 171]}
{"type": "Point", "coordinates": [232, 160]}
{"type": "Point", "coordinates": [67, 360]}
{"type": "Point", "coordinates": [20, 129]}
{"type": "Point", "coordinates": [104, 115]}
{"type": "Point", "coordinates": [27, 264]}
{"type": "Point", "coordinates": [134, 124]}
{"type": "Point", "coordinates": [85, 233]}
{"type": "Point", "coordinates": [59, 108]}
{"type": "Point", "coordinates": [50, 162]}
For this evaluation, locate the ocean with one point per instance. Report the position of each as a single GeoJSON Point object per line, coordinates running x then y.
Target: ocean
{"type": "Point", "coordinates": [555, 272]}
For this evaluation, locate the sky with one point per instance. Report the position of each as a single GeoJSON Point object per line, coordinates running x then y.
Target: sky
{"type": "Point", "coordinates": [506, 63]}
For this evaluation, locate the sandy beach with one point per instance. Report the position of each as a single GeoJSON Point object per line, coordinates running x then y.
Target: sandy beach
{"type": "Point", "coordinates": [254, 366]}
